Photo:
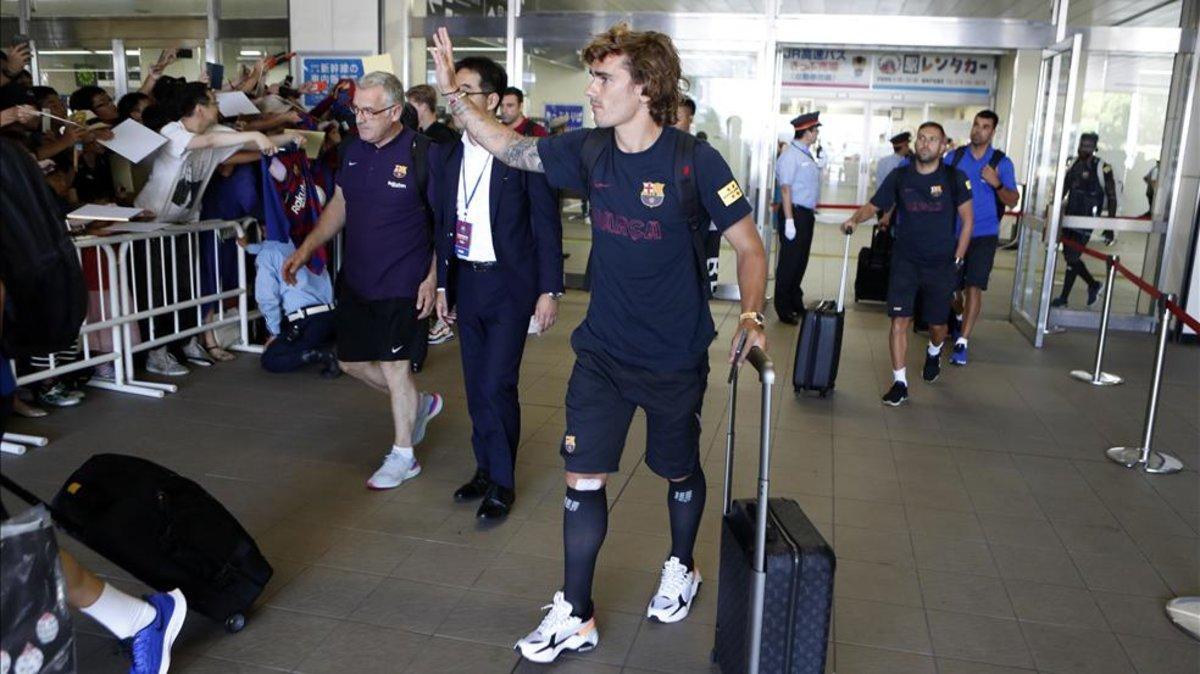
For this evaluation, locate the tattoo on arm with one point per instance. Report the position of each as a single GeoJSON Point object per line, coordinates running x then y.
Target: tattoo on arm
{"type": "Point", "coordinates": [509, 147]}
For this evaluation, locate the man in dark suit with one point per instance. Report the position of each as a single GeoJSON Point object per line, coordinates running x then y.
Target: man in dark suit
{"type": "Point", "coordinates": [499, 263]}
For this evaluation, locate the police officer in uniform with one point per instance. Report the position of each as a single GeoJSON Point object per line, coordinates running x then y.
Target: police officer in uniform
{"type": "Point", "coordinates": [798, 173]}
{"type": "Point", "coordinates": [1086, 196]}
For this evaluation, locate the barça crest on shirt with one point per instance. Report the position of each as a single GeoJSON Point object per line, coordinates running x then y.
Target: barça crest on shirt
{"type": "Point", "coordinates": [399, 171]}
{"type": "Point", "coordinates": [935, 190]}
{"type": "Point", "coordinates": [652, 194]}
{"type": "Point", "coordinates": [569, 444]}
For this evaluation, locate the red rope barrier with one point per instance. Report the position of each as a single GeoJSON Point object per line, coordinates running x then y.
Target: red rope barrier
{"type": "Point", "coordinates": [1136, 280]}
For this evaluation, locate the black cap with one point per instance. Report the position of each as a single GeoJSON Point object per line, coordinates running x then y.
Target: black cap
{"type": "Point", "coordinates": [806, 121]}
{"type": "Point", "coordinates": [904, 137]}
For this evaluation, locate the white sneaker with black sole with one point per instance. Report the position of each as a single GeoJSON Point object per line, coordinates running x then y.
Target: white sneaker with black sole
{"type": "Point", "coordinates": [677, 589]}
{"type": "Point", "coordinates": [559, 631]}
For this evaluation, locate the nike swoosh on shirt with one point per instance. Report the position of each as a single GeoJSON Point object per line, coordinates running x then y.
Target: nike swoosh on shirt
{"type": "Point", "coordinates": [352, 163]}
{"type": "Point", "coordinates": [397, 349]}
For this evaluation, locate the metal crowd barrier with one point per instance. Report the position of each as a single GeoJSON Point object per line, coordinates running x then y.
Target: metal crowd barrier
{"type": "Point", "coordinates": [170, 281]}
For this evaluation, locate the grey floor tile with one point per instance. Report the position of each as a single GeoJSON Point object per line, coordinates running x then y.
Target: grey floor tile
{"type": "Point", "coordinates": [1027, 532]}
{"type": "Point", "coordinates": [367, 551]}
{"type": "Point", "coordinates": [365, 649]}
{"type": "Point", "coordinates": [886, 583]}
{"type": "Point", "coordinates": [1055, 604]}
{"type": "Point", "coordinates": [1119, 573]}
{"type": "Point", "coordinates": [682, 647]}
{"type": "Point", "coordinates": [868, 623]}
{"type": "Point", "coordinates": [949, 666]}
{"type": "Point", "coordinates": [866, 660]}
{"type": "Point", "coordinates": [867, 545]}
{"type": "Point", "coordinates": [495, 619]}
{"type": "Point", "coordinates": [569, 666]}
{"type": "Point", "coordinates": [869, 515]}
{"type": "Point", "coordinates": [444, 564]}
{"type": "Point", "coordinates": [1162, 657]}
{"type": "Point", "coordinates": [945, 523]}
{"type": "Point", "coordinates": [274, 638]}
{"type": "Point", "coordinates": [213, 666]}
{"type": "Point", "coordinates": [323, 591]}
{"type": "Point", "coordinates": [451, 656]}
{"type": "Point", "coordinates": [938, 553]}
{"type": "Point", "coordinates": [1039, 565]}
{"type": "Point", "coordinates": [978, 638]}
{"type": "Point", "coordinates": [1138, 616]}
{"type": "Point", "coordinates": [965, 593]}
{"type": "Point", "coordinates": [410, 605]}
{"type": "Point", "coordinates": [1070, 649]}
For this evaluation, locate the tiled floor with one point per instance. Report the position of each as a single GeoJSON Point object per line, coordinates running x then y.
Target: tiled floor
{"type": "Point", "coordinates": [978, 529]}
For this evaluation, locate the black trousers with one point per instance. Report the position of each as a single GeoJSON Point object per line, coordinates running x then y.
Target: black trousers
{"type": "Point", "coordinates": [286, 352]}
{"type": "Point", "coordinates": [1074, 258]}
{"type": "Point", "coordinates": [493, 322]}
{"type": "Point", "coordinates": [793, 261]}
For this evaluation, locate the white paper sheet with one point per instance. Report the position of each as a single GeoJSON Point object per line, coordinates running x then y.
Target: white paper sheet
{"type": "Point", "coordinates": [104, 212]}
{"type": "Point", "coordinates": [234, 103]}
{"type": "Point", "coordinates": [133, 141]}
{"type": "Point", "coordinates": [381, 63]}
{"type": "Point", "coordinates": [312, 142]}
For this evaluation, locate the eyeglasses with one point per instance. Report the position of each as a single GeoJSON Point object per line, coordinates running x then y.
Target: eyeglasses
{"type": "Point", "coordinates": [475, 93]}
{"type": "Point", "coordinates": [369, 113]}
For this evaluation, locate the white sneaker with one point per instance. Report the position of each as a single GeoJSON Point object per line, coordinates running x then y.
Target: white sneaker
{"type": "Point", "coordinates": [196, 354]}
{"type": "Point", "coordinates": [394, 471]}
{"type": "Point", "coordinates": [428, 406]}
{"type": "Point", "coordinates": [440, 333]}
{"type": "Point", "coordinates": [676, 590]}
{"type": "Point", "coordinates": [160, 361]}
{"type": "Point", "coordinates": [559, 631]}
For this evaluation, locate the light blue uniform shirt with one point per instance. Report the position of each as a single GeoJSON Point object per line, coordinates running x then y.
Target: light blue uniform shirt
{"type": "Point", "coordinates": [799, 170]}
{"type": "Point", "coordinates": [886, 166]}
{"type": "Point", "coordinates": [274, 296]}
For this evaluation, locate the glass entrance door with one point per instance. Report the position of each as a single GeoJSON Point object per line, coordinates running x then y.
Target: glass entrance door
{"type": "Point", "coordinates": [1048, 151]}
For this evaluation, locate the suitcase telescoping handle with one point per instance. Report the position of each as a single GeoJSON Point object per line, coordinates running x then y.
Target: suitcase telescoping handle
{"type": "Point", "coordinates": [845, 272]}
{"type": "Point", "coordinates": [766, 374]}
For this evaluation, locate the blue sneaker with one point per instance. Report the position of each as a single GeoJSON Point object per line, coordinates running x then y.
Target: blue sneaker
{"type": "Point", "coordinates": [152, 645]}
{"type": "Point", "coordinates": [959, 355]}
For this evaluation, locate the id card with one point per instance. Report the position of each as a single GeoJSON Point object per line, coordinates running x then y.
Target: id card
{"type": "Point", "coordinates": [462, 238]}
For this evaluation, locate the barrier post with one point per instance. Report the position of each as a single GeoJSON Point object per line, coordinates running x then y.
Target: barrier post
{"type": "Point", "coordinates": [1151, 461]}
{"type": "Point", "coordinates": [1098, 377]}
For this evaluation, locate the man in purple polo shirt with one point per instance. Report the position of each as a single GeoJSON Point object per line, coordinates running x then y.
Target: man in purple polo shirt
{"type": "Point", "coordinates": [388, 278]}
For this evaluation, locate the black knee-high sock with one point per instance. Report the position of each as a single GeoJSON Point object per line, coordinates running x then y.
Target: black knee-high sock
{"type": "Point", "coordinates": [685, 504]}
{"type": "Point", "coordinates": [585, 523]}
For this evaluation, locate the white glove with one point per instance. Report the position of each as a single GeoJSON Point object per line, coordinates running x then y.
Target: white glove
{"type": "Point", "coordinates": [789, 229]}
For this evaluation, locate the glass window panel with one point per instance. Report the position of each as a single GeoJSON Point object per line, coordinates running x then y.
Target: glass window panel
{"type": "Point", "coordinates": [1031, 10]}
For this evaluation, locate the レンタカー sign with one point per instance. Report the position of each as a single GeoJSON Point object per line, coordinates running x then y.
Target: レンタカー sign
{"type": "Point", "coordinates": [912, 71]}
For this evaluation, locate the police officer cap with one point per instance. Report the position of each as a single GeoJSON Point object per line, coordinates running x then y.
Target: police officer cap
{"type": "Point", "coordinates": [901, 138]}
{"type": "Point", "coordinates": [1090, 135]}
{"type": "Point", "coordinates": [806, 121]}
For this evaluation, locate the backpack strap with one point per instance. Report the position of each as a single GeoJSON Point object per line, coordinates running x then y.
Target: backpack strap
{"type": "Point", "coordinates": [420, 160]}
{"type": "Point", "coordinates": [996, 158]}
{"type": "Point", "coordinates": [689, 199]}
{"type": "Point", "coordinates": [594, 144]}
{"type": "Point", "coordinates": [958, 156]}
{"type": "Point", "coordinates": [994, 162]}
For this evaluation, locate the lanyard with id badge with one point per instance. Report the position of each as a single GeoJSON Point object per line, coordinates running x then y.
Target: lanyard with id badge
{"type": "Point", "coordinates": [462, 230]}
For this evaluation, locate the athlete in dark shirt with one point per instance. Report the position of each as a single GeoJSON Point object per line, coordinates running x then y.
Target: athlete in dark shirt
{"type": "Point", "coordinates": [645, 339]}
{"type": "Point", "coordinates": [928, 255]}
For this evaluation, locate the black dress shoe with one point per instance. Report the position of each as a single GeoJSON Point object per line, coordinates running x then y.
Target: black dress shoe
{"type": "Point", "coordinates": [496, 503]}
{"type": "Point", "coordinates": [474, 489]}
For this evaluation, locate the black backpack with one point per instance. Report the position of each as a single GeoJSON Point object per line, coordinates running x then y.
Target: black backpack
{"type": "Point", "coordinates": [994, 162]}
{"type": "Point", "coordinates": [46, 298]}
{"type": "Point", "coordinates": [599, 140]}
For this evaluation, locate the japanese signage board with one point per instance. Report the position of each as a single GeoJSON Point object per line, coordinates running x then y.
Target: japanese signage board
{"type": "Point", "coordinates": [972, 74]}
{"type": "Point", "coordinates": [328, 69]}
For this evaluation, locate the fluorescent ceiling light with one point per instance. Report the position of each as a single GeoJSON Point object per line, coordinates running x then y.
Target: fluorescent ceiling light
{"type": "Point", "coordinates": [496, 49]}
{"type": "Point", "coordinates": [65, 52]}
{"type": "Point", "coordinates": [250, 52]}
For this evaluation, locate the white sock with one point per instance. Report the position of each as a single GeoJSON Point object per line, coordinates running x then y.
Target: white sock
{"type": "Point", "coordinates": [934, 350]}
{"type": "Point", "coordinates": [961, 340]}
{"type": "Point", "coordinates": [404, 452]}
{"type": "Point", "coordinates": [900, 375]}
{"type": "Point", "coordinates": [120, 613]}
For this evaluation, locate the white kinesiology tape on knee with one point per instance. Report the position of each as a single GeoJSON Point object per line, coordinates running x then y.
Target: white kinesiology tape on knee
{"type": "Point", "coordinates": [589, 484]}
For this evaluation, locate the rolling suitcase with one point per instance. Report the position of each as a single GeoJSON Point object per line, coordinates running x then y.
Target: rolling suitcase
{"type": "Point", "coordinates": [776, 584]}
{"type": "Point", "coordinates": [165, 530]}
{"type": "Point", "coordinates": [874, 265]}
{"type": "Point", "coordinates": [819, 348]}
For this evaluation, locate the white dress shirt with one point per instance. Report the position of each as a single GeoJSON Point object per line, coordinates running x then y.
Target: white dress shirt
{"type": "Point", "coordinates": [476, 169]}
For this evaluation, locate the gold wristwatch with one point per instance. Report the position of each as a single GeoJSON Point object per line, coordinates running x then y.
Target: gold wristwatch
{"type": "Point", "coordinates": [758, 318]}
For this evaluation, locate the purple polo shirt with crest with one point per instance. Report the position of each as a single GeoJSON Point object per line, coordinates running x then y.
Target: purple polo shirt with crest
{"type": "Point", "coordinates": [388, 240]}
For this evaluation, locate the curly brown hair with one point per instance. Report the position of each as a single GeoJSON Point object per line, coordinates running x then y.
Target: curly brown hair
{"type": "Point", "coordinates": [652, 62]}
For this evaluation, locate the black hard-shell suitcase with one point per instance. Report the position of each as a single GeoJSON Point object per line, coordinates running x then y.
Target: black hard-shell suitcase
{"type": "Point", "coordinates": [776, 584]}
{"type": "Point", "coordinates": [167, 531]}
{"type": "Point", "coordinates": [819, 348]}
{"type": "Point", "coordinates": [874, 266]}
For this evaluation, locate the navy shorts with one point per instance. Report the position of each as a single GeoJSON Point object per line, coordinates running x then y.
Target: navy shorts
{"type": "Point", "coordinates": [936, 281]}
{"type": "Point", "coordinates": [601, 398]}
{"type": "Point", "coordinates": [977, 267]}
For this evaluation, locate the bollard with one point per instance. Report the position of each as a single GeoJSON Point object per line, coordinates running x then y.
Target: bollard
{"type": "Point", "coordinates": [1153, 462]}
{"type": "Point", "coordinates": [1098, 377]}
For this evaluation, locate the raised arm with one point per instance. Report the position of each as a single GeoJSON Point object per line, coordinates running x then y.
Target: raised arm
{"type": "Point", "coordinates": [507, 145]}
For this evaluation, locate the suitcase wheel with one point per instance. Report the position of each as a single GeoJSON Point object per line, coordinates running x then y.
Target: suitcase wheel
{"type": "Point", "coordinates": [235, 623]}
